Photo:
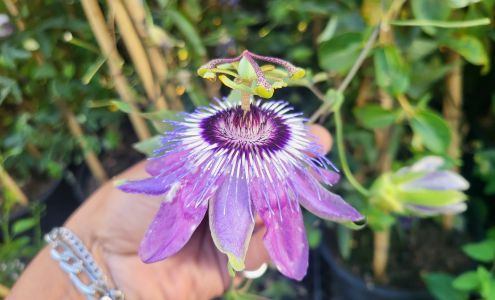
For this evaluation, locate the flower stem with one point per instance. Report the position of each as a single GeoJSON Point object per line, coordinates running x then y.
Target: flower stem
{"type": "Point", "coordinates": [404, 103]}
{"type": "Point", "coordinates": [342, 156]}
{"type": "Point", "coordinates": [245, 101]}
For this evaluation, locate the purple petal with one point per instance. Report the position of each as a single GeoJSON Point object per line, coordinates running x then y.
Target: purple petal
{"type": "Point", "coordinates": [172, 227]}
{"type": "Point", "coordinates": [231, 220]}
{"type": "Point", "coordinates": [320, 201]}
{"type": "Point", "coordinates": [439, 180]}
{"type": "Point", "coordinates": [326, 176]}
{"type": "Point", "coordinates": [157, 185]}
{"type": "Point", "coordinates": [166, 163]}
{"type": "Point", "coordinates": [150, 186]}
{"type": "Point", "coordinates": [285, 237]}
{"type": "Point", "coordinates": [428, 164]}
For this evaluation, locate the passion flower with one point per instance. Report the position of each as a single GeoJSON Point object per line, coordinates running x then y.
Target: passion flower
{"type": "Point", "coordinates": [237, 165]}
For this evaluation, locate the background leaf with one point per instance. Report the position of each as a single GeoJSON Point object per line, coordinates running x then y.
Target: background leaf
{"type": "Point", "coordinates": [390, 70]}
{"type": "Point", "coordinates": [374, 116]}
{"type": "Point", "coordinates": [440, 286]}
{"type": "Point", "coordinates": [433, 130]}
{"type": "Point", "coordinates": [339, 53]}
{"type": "Point", "coordinates": [483, 251]}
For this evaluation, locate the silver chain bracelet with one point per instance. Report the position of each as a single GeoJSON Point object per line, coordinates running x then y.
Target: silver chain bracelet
{"type": "Point", "coordinates": [75, 260]}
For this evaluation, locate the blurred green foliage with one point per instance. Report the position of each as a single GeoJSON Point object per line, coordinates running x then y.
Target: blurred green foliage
{"type": "Point", "coordinates": [392, 110]}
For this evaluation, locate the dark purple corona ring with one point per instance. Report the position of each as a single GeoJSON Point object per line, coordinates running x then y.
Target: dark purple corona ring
{"type": "Point", "coordinates": [258, 130]}
{"type": "Point", "coordinates": [237, 165]}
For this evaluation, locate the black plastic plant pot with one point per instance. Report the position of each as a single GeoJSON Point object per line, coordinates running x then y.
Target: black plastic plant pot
{"type": "Point", "coordinates": [347, 286]}
{"type": "Point", "coordinates": [59, 203]}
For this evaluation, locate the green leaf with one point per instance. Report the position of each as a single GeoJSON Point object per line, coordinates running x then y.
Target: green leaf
{"type": "Point", "coordinates": [421, 81]}
{"type": "Point", "coordinates": [188, 31]}
{"type": "Point", "coordinates": [45, 71]}
{"type": "Point", "coordinates": [430, 10]}
{"type": "Point", "coordinates": [467, 281]}
{"type": "Point", "coordinates": [122, 106]}
{"type": "Point", "coordinates": [433, 131]}
{"type": "Point", "coordinates": [483, 251]}
{"type": "Point", "coordinates": [379, 220]}
{"type": "Point", "coordinates": [329, 30]}
{"type": "Point", "coordinates": [92, 70]}
{"type": "Point", "coordinates": [374, 116]}
{"type": "Point", "coordinates": [314, 237]}
{"type": "Point", "coordinates": [161, 115]}
{"type": "Point", "coordinates": [420, 48]}
{"type": "Point", "coordinates": [440, 286]}
{"type": "Point", "coordinates": [490, 234]}
{"type": "Point", "coordinates": [158, 118]}
{"type": "Point", "coordinates": [487, 289]}
{"type": "Point", "coordinates": [148, 146]}
{"type": "Point", "coordinates": [469, 47]}
{"type": "Point", "coordinates": [339, 53]}
{"type": "Point", "coordinates": [8, 87]}
{"type": "Point", "coordinates": [23, 225]}
{"type": "Point", "coordinates": [461, 3]}
{"type": "Point", "coordinates": [390, 70]}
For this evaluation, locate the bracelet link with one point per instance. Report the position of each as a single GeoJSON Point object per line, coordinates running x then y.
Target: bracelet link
{"type": "Point", "coordinates": [75, 260]}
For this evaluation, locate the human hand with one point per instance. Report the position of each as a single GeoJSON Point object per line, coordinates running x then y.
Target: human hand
{"type": "Point", "coordinates": [112, 224]}
{"type": "Point", "coordinates": [123, 218]}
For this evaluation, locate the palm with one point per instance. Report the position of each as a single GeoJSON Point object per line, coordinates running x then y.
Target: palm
{"type": "Point", "coordinates": [122, 221]}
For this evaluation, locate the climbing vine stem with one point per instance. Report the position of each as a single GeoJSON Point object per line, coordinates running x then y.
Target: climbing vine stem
{"type": "Point", "coordinates": [343, 158]}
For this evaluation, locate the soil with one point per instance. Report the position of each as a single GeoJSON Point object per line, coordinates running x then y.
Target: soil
{"type": "Point", "coordinates": [424, 247]}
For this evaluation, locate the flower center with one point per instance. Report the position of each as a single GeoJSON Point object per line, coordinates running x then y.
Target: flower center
{"type": "Point", "coordinates": [257, 129]}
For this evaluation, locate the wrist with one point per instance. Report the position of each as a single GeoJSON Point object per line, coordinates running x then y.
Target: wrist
{"type": "Point", "coordinates": [80, 264]}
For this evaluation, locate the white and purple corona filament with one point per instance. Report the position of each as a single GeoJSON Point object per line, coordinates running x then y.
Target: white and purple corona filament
{"type": "Point", "coordinates": [238, 165]}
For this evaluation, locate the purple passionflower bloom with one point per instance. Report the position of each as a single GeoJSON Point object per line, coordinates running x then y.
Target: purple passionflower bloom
{"type": "Point", "coordinates": [237, 165]}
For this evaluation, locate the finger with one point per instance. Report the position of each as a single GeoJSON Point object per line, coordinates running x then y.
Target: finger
{"type": "Point", "coordinates": [321, 136]}
{"type": "Point", "coordinates": [256, 254]}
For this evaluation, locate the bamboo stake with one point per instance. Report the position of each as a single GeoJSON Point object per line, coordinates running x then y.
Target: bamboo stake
{"type": "Point", "coordinates": [452, 110]}
{"type": "Point", "coordinates": [137, 53]}
{"type": "Point", "coordinates": [97, 22]}
{"type": "Point", "coordinates": [9, 183]}
{"type": "Point", "coordinates": [381, 245]}
{"type": "Point", "coordinates": [89, 156]}
{"type": "Point", "coordinates": [12, 9]}
{"type": "Point", "coordinates": [381, 239]}
{"type": "Point", "coordinates": [136, 11]}
{"type": "Point", "coordinates": [4, 291]}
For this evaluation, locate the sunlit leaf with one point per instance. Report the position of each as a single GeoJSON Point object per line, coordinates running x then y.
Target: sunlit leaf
{"type": "Point", "coordinates": [467, 281]}
{"type": "Point", "coordinates": [483, 251]}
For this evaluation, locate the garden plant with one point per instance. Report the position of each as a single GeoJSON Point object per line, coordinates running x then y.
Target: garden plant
{"type": "Point", "coordinates": [221, 97]}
